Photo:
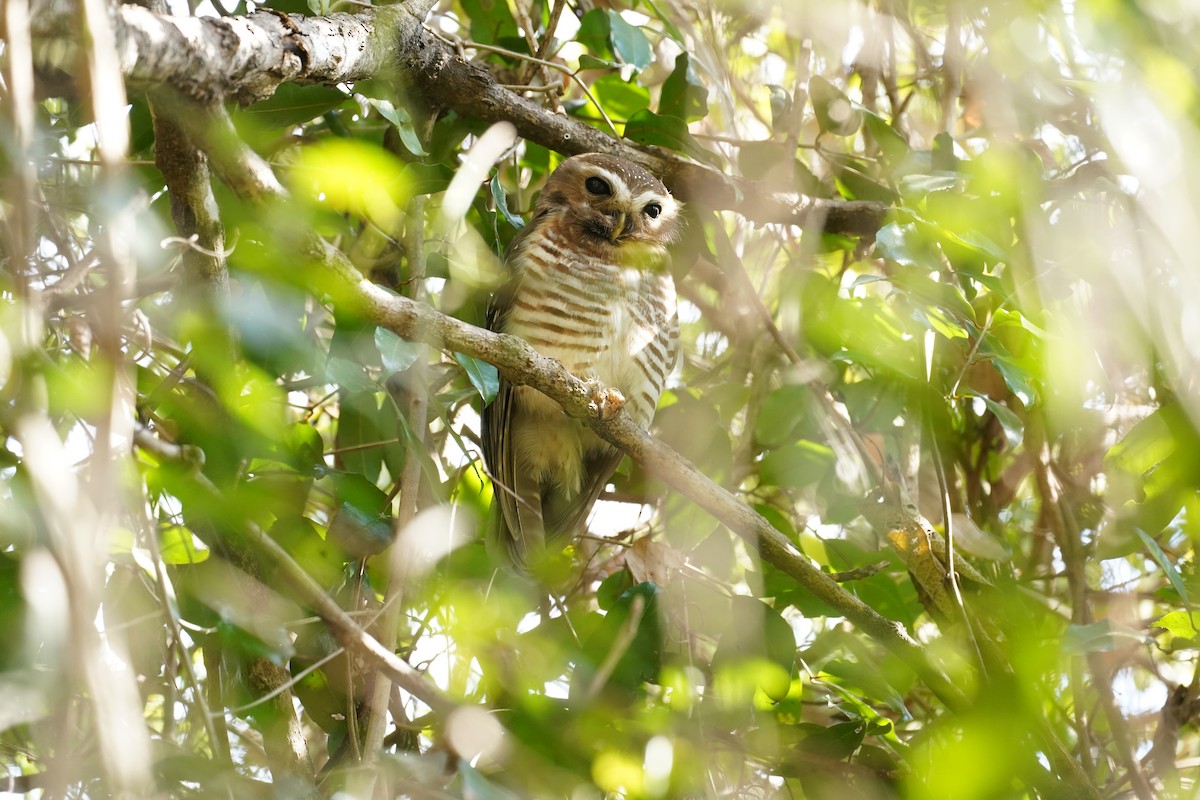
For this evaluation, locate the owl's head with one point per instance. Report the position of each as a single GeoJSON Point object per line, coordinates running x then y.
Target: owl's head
{"type": "Point", "coordinates": [609, 200]}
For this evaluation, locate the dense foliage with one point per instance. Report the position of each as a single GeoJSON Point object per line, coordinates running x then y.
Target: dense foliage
{"type": "Point", "coordinates": [1013, 355]}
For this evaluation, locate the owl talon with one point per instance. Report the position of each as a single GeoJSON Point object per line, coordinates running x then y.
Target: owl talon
{"type": "Point", "coordinates": [606, 402]}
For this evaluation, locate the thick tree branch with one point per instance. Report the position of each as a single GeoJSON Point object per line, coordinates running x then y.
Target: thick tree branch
{"type": "Point", "coordinates": [245, 59]}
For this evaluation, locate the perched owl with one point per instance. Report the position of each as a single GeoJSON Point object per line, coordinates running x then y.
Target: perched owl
{"type": "Point", "coordinates": [591, 287]}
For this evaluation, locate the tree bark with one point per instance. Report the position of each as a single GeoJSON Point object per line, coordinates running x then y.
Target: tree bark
{"type": "Point", "coordinates": [244, 59]}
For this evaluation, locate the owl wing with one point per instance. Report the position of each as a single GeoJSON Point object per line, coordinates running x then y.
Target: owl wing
{"type": "Point", "coordinates": [518, 527]}
{"type": "Point", "coordinates": [566, 516]}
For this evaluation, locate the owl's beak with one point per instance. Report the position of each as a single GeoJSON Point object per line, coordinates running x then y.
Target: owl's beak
{"type": "Point", "coordinates": [618, 225]}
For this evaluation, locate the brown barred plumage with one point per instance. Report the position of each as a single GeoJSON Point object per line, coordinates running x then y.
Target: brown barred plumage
{"type": "Point", "coordinates": [591, 287]}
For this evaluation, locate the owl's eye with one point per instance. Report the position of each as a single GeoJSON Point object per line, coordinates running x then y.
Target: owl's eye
{"type": "Point", "coordinates": [598, 186]}
{"type": "Point", "coordinates": [652, 211]}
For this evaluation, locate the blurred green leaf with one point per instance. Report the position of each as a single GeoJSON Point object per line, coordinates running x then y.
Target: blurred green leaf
{"type": "Point", "coordinates": [835, 112]}
{"type": "Point", "coordinates": [1096, 637]}
{"type": "Point", "coordinates": [757, 631]}
{"type": "Point", "coordinates": [1168, 568]}
{"type": "Point", "coordinates": [359, 533]}
{"type": "Point", "coordinates": [1180, 624]}
{"type": "Point", "coordinates": [176, 545]}
{"type": "Point", "coordinates": [627, 644]}
{"type": "Point", "coordinates": [490, 20]}
{"type": "Point", "coordinates": [799, 464]}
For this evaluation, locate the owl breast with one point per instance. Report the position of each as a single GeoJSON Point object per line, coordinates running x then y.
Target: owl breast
{"type": "Point", "coordinates": [601, 321]}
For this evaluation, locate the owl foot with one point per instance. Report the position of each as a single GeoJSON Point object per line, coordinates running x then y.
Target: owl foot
{"type": "Point", "coordinates": [606, 402]}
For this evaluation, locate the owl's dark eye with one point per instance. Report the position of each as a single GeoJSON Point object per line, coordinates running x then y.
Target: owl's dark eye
{"type": "Point", "coordinates": [652, 211]}
{"type": "Point", "coordinates": [598, 186]}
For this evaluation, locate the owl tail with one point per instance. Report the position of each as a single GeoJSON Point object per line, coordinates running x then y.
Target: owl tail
{"type": "Point", "coordinates": [516, 533]}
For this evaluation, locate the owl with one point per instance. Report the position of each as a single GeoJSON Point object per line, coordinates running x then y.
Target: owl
{"type": "Point", "coordinates": [591, 287]}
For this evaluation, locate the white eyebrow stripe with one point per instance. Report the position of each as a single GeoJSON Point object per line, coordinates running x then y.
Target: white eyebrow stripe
{"type": "Point", "coordinates": [651, 196]}
{"type": "Point", "coordinates": [620, 190]}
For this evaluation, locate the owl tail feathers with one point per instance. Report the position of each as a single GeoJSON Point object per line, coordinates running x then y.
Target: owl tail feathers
{"type": "Point", "coordinates": [516, 533]}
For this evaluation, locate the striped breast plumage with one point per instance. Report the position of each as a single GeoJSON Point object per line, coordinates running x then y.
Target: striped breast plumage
{"type": "Point", "coordinates": [590, 287]}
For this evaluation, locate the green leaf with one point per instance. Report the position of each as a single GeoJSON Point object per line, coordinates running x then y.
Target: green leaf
{"type": "Point", "coordinates": [620, 98]}
{"type": "Point", "coordinates": [896, 242]}
{"type": "Point", "coordinates": [353, 488]}
{"type": "Point", "coordinates": [292, 104]}
{"type": "Point", "coordinates": [1094, 638]}
{"type": "Point", "coordinates": [477, 787]}
{"type": "Point", "coordinates": [1160, 557]}
{"type": "Point", "coordinates": [757, 631]}
{"type": "Point", "coordinates": [836, 741]}
{"type": "Point", "coordinates": [630, 43]}
{"type": "Point", "coordinates": [483, 376]}
{"type": "Point", "coordinates": [587, 61]}
{"type": "Point", "coordinates": [307, 448]}
{"type": "Point", "coordinates": [363, 427]}
{"type": "Point", "coordinates": [176, 545]}
{"type": "Point", "coordinates": [1147, 443]}
{"type": "Point", "coordinates": [646, 127]}
{"type": "Point", "coordinates": [892, 145]}
{"type": "Point", "coordinates": [360, 533]}
{"type": "Point", "coordinates": [683, 95]}
{"type": "Point", "coordinates": [491, 20]}
{"type": "Point", "coordinates": [782, 412]}
{"type": "Point", "coordinates": [595, 33]}
{"type": "Point", "coordinates": [835, 112]}
{"type": "Point", "coordinates": [397, 354]}
{"type": "Point", "coordinates": [612, 587]}
{"type": "Point", "coordinates": [501, 198]}
{"type": "Point", "coordinates": [636, 612]}
{"type": "Point", "coordinates": [1178, 623]}
{"type": "Point", "coordinates": [918, 185]}
{"type": "Point", "coordinates": [800, 464]}
{"type": "Point", "coordinates": [400, 117]}
{"type": "Point", "coordinates": [1013, 426]}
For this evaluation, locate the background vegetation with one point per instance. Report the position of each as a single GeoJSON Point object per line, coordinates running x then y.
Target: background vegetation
{"type": "Point", "coordinates": [229, 489]}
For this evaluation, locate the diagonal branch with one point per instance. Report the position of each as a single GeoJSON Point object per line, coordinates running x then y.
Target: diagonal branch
{"type": "Point", "coordinates": [521, 364]}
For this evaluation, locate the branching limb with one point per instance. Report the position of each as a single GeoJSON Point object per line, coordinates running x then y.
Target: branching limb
{"type": "Point", "coordinates": [212, 59]}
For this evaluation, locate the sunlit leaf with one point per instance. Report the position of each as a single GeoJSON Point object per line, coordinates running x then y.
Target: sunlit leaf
{"type": "Point", "coordinates": [176, 545]}
{"type": "Point", "coordinates": [1181, 624]}
{"type": "Point", "coordinates": [619, 98]}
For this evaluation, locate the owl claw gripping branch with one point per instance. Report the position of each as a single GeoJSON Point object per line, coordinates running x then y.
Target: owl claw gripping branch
{"type": "Point", "coordinates": [590, 286]}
